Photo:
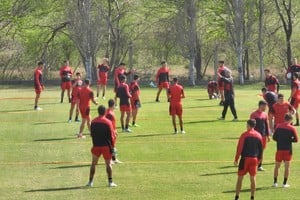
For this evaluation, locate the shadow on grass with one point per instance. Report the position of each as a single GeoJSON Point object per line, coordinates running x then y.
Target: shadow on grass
{"type": "Point", "coordinates": [220, 173]}
{"type": "Point", "coordinates": [20, 110]}
{"type": "Point", "coordinates": [207, 106]}
{"type": "Point", "coordinates": [43, 123]}
{"type": "Point", "coordinates": [202, 121]}
{"type": "Point", "coordinates": [248, 190]}
{"type": "Point", "coordinates": [53, 139]}
{"type": "Point", "coordinates": [228, 167]}
{"type": "Point", "coordinates": [59, 189]}
{"type": "Point", "coordinates": [152, 135]}
{"type": "Point", "coordinates": [73, 166]}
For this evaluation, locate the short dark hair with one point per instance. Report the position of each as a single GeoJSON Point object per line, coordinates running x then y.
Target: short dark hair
{"type": "Point", "coordinates": [262, 103]}
{"type": "Point", "coordinates": [175, 79]}
{"type": "Point", "coordinates": [251, 123]}
{"type": "Point", "coordinates": [163, 62]}
{"type": "Point", "coordinates": [101, 110]}
{"type": "Point", "coordinates": [40, 63]}
{"type": "Point", "coordinates": [136, 77]}
{"type": "Point", "coordinates": [288, 117]}
{"type": "Point", "coordinates": [221, 61]}
{"type": "Point", "coordinates": [87, 81]}
{"type": "Point", "coordinates": [78, 74]}
{"type": "Point", "coordinates": [267, 70]}
{"type": "Point", "coordinates": [263, 89]}
{"type": "Point", "coordinates": [122, 78]}
{"type": "Point", "coordinates": [122, 64]}
{"type": "Point", "coordinates": [296, 74]}
{"type": "Point", "coordinates": [280, 96]}
{"type": "Point", "coordinates": [111, 103]}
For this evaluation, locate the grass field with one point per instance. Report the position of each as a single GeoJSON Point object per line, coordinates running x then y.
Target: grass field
{"type": "Point", "coordinates": [40, 158]}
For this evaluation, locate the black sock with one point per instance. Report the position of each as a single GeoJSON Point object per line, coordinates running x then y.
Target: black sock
{"type": "Point", "coordinates": [76, 118]}
{"type": "Point", "coordinates": [35, 107]}
{"type": "Point", "coordinates": [70, 118]}
{"type": "Point", "coordinates": [285, 180]}
{"type": "Point", "coordinates": [252, 198]}
{"type": "Point", "coordinates": [113, 157]}
{"type": "Point", "coordinates": [110, 180]}
{"type": "Point", "coordinates": [275, 179]}
{"type": "Point", "coordinates": [133, 122]}
{"type": "Point", "coordinates": [181, 129]}
{"type": "Point", "coordinates": [259, 165]}
{"type": "Point", "coordinates": [122, 126]}
{"type": "Point", "coordinates": [297, 121]}
{"type": "Point", "coordinates": [175, 129]}
{"type": "Point", "coordinates": [126, 126]}
{"type": "Point", "coordinates": [236, 197]}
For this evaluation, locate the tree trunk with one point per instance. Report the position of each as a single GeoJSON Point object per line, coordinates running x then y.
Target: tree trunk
{"type": "Point", "coordinates": [260, 44]}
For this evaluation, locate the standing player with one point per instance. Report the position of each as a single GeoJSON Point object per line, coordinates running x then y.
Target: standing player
{"type": "Point", "coordinates": [119, 72]}
{"type": "Point", "coordinates": [135, 98]}
{"type": "Point", "coordinates": [271, 98]}
{"type": "Point", "coordinates": [271, 82]}
{"type": "Point", "coordinates": [285, 134]}
{"type": "Point", "coordinates": [86, 95]}
{"type": "Point", "coordinates": [262, 126]}
{"type": "Point", "coordinates": [102, 74]}
{"type": "Point", "coordinates": [280, 109]}
{"type": "Point", "coordinates": [229, 96]}
{"type": "Point", "coordinates": [295, 67]}
{"type": "Point", "coordinates": [221, 74]}
{"type": "Point", "coordinates": [212, 89]}
{"type": "Point", "coordinates": [124, 95]}
{"type": "Point", "coordinates": [294, 99]}
{"type": "Point", "coordinates": [76, 87]}
{"type": "Point", "coordinates": [38, 84]}
{"type": "Point", "coordinates": [65, 73]}
{"type": "Point", "coordinates": [162, 79]}
{"type": "Point", "coordinates": [250, 150]}
{"type": "Point", "coordinates": [111, 116]}
{"type": "Point", "coordinates": [103, 143]}
{"type": "Point", "coordinates": [175, 94]}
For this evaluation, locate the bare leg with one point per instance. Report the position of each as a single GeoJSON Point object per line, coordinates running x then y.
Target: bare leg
{"type": "Point", "coordinates": [174, 122]}
{"type": "Point", "coordinates": [82, 125]}
{"type": "Point", "coordinates": [122, 120]}
{"type": "Point", "coordinates": [93, 168]}
{"type": "Point", "coordinates": [276, 169]}
{"type": "Point", "coordinates": [180, 122]}
{"type": "Point", "coordinates": [98, 90]}
{"type": "Point", "coordinates": [62, 96]}
{"type": "Point", "coordinates": [71, 111]}
{"type": "Point", "coordinates": [69, 95]}
{"type": "Point", "coordinates": [88, 123]}
{"type": "Point", "coordinates": [286, 171]}
{"type": "Point", "coordinates": [134, 114]}
{"type": "Point", "coordinates": [103, 90]}
{"type": "Point", "coordinates": [127, 119]}
{"type": "Point", "coordinates": [253, 185]}
{"type": "Point", "coordinates": [36, 100]}
{"type": "Point", "coordinates": [108, 169]}
{"type": "Point", "coordinates": [239, 185]}
{"type": "Point", "coordinates": [158, 93]}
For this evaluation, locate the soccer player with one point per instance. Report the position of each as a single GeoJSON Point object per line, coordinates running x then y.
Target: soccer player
{"type": "Point", "coordinates": [212, 89]}
{"type": "Point", "coordinates": [280, 109]}
{"type": "Point", "coordinates": [249, 148]}
{"type": "Point", "coordinates": [38, 84]}
{"type": "Point", "coordinates": [103, 144]}
{"type": "Point", "coordinates": [294, 98]}
{"type": "Point", "coordinates": [262, 126]}
{"type": "Point", "coordinates": [221, 74]}
{"type": "Point", "coordinates": [119, 72]}
{"type": "Point", "coordinates": [111, 116]}
{"type": "Point", "coordinates": [124, 94]}
{"type": "Point", "coordinates": [285, 134]}
{"type": "Point", "coordinates": [102, 74]}
{"type": "Point", "coordinates": [76, 87]}
{"type": "Point", "coordinates": [65, 73]}
{"type": "Point", "coordinates": [295, 67]}
{"type": "Point", "coordinates": [271, 82]}
{"type": "Point", "coordinates": [175, 94]}
{"type": "Point", "coordinates": [86, 95]}
{"type": "Point", "coordinates": [229, 96]}
{"type": "Point", "coordinates": [271, 98]}
{"type": "Point", "coordinates": [162, 79]}
{"type": "Point", "coordinates": [135, 98]}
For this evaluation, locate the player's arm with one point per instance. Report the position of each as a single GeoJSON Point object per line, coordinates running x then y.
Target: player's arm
{"type": "Point", "coordinates": [295, 138]}
{"type": "Point", "coordinates": [93, 99]}
{"type": "Point", "coordinates": [275, 137]}
{"type": "Point", "coordinates": [278, 84]}
{"type": "Point", "coordinates": [98, 77]}
{"type": "Point", "coordinates": [267, 125]}
{"type": "Point", "coordinates": [127, 91]}
{"type": "Point", "coordinates": [182, 94]}
{"type": "Point", "coordinates": [260, 150]}
{"type": "Point", "coordinates": [293, 92]}
{"type": "Point", "coordinates": [239, 150]}
{"type": "Point", "coordinates": [292, 109]}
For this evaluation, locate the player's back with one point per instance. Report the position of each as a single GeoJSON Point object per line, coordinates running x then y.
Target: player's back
{"type": "Point", "coordinates": [101, 131]}
{"type": "Point", "coordinates": [85, 95]}
{"type": "Point", "coordinates": [261, 122]}
{"type": "Point", "coordinates": [252, 144]}
{"type": "Point", "coordinates": [163, 74]}
{"type": "Point", "coordinates": [175, 92]}
{"type": "Point", "coordinates": [284, 135]}
{"type": "Point", "coordinates": [122, 93]}
{"type": "Point", "coordinates": [135, 90]}
{"type": "Point", "coordinates": [280, 110]}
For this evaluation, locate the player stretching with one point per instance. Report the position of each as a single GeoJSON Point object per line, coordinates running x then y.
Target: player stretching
{"type": "Point", "coordinates": [135, 98]}
{"type": "Point", "coordinates": [86, 95]}
{"type": "Point", "coordinates": [111, 116]}
{"type": "Point", "coordinates": [162, 79]}
{"type": "Point", "coordinates": [271, 82]}
{"type": "Point", "coordinates": [38, 84]}
{"type": "Point", "coordinates": [65, 73]}
{"type": "Point", "coordinates": [250, 150]}
{"type": "Point", "coordinates": [294, 99]}
{"type": "Point", "coordinates": [102, 74]}
{"type": "Point", "coordinates": [76, 87]}
{"type": "Point", "coordinates": [212, 89]}
{"type": "Point", "coordinates": [221, 74]}
{"type": "Point", "coordinates": [262, 126]}
{"type": "Point", "coordinates": [103, 143]}
{"type": "Point", "coordinates": [280, 109]}
{"type": "Point", "coordinates": [229, 96]}
{"type": "Point", "coordinates": [175, 94]}
{"type": "Point", "coordinates": [271, 98]}
{"type": "Point", "coordinates": [124, 95]}
{"type": "Point", "coordinates": [119, 71]}
{"type": "Point", "coordinates": [284, 135]}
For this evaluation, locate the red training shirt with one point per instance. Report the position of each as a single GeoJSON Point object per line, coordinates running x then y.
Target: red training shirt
{"type": "Point", "coordinates": [279, 111]}
{"type": "Point", "coordinates": [85, 96]}
{"type": "Point", "coordinates": [176, 93]}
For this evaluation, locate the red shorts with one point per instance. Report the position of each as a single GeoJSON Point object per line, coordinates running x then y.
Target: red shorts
{"type": "Point", "coordinates": [38, 91]}
{"type": "Point", "coordinates": [135, 104]}
{"type": "Point", "coordinates": [85, 112]}
{"type": "Point", "coordinates": [220, 85]}
{"type": "Point", "coordinates": [98, 151]}
{"type": "Point", "coordinates": [102, 82]}
{"type": "Point", "coordinates": [66, 85]}
{"type": "Point", "coordinates": [295, 103]}
{"type": "Point", "coordinates": [74, 101]}
{"type": "Point", "coordinates": [282, 155]}
{"type": "Point", "coordinates": [175, 109]}
{"type": "Point", "coordinates": [248, 165]}
{"type": "Point", "coordinates": [125, 108]}
{"type": "Point", "coordinates": [264, 142]}
{"type": "Point", "coordinates": [164, 85]}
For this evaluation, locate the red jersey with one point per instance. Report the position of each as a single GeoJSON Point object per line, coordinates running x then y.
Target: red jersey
{"type": "Point", "coordinates": [134, 90]}
{"type": "Point", "coordinates": [279, 111]}
{"type": "Point", "coordinates": [38, 79]}
{"type": "Point", "coordinates": [117, 74]}
{"type": "Point", "coordinates": [85, 96]}
{"type": "Point", "coordinates": [103, 72]}
{"type": "Point", "coordinates": [65, 73]}
{"type": "Point", "coordinates": [249, 145]}
{"type": "Point", "coordinates": [176, 94]}
{"type": "Point", "coordinates": [76, 87]}
{"type": "Point", "coordinates": [124, 94]}
{"type": "Point", "coordinates": [102, 132]}
{"type": "Point", "coordinates": [296, 88]}
{"type": "Point", "coordinates": [284, 135]}
{"type": "Point", "coordinates": [271, 82]}
{"type": "Point", "coordinates": [261, 119]}
{"type": "Point", "coordinates": [162, 75]}
{"type": "Point", "coordinates": [221, 71]}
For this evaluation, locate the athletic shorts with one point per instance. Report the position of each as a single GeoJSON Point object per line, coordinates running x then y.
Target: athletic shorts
{"type": "Point", "coordinates": [295, 103]}
{"type": "Point", "coordinates": [102, 82]}
{"type": "Point", "coordinates": [38, 91]}
{"type": "Point", "coordinates": [66, 85]}
{"type": "Point", "coordinates": [248, 165]}
{"type": "Point", "coordinates": [282, 155]}
{"type": "Point", "coordinates": [165, 85]}
{"type": "Point", "coordinates": [125, 108]}
{"type": "Point", "coordinates": [135, 104]}
{"type": "Point", "coordinates": [85, 112]}
{"type": "Point", "coordinates": [175, 109]}
{"type": "Point", "coordinates": [220, 85]}
{"type": "Point", "coordinates": [74, 100]}
{"type": "Point", "coordinates": [264, 142]}
{"type": "Point", "coordinates": [105, 151]}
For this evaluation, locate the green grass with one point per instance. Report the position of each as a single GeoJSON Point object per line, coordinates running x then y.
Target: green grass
{"type": "Point", "coordinates": [40, 158]}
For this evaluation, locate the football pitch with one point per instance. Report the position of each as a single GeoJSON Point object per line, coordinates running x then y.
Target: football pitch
{"type": "Point", "coordinates": [41, 158]}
